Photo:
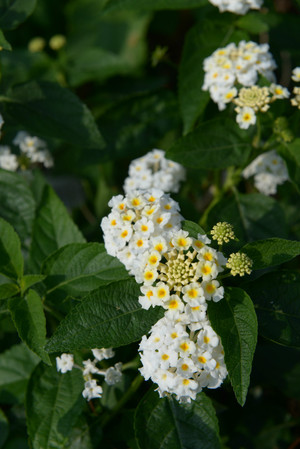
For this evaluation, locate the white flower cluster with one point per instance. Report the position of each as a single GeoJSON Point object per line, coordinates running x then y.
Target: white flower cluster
{"type": "Point", "coordinates": [236, 64]}
{"type": "Point", "coordinates": [269, 171]}
{"type": "Point", "coordinates": [137, 221]}
{"type": "Point", "coordinates": [152, 170]}
{"type": "Point", "coordinates": [32, 151]}
{"type": "Point", "coordinates": [182, 354]}
{"type": "Point", "coordinates": [237, 6]}
{"type": "Point", "coordinates": [92, 390]}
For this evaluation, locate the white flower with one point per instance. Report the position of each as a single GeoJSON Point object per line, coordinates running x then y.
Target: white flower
{"type": "Point", "coordinates": [64, 363]}
{"type": "Point", "coordinates": [113, 374]}
{"type": "Point", "coordinates": [103, 353]}
{"type": "Point", "coordinates": [245, 117]}
{"type": "Point", "coordinates": [92, 390]}
{"type": "Point", "coordinates": [296, 74]}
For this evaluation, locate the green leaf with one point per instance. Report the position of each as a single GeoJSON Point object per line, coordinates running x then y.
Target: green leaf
{"type": "Point", "coordinates": [276, 297]}
{"type": "Point", "coordinates": [271, 252]}
{"type": "Point", "coordinates": [253, 216]}
{"type": "Point", "coordinates": [14, 12]}
{"type": "Point", "coordinates": [29, 280]}
{"type": "Point", "coordinates": [4, 44]}
{"type": "Point", "coordinates": [253, 22]}
{"type": "Point", "coordinates": [101, 46]}
{"type": "Point", "coordinates": [234, 320]}
{"type": "Point", "coordinates": [193, 228]}
{"type": "Point", "coordinates": [28, 316]}
{"type": "Point", "coordinates": [291, 154]}
{"type": "Point", "coordinates": [109, 316]}
{"type": "Point", "coordinates": [53, 228]}
{"type": "Point", "coordinates": [11, 259]}
{"type": "Point", "coordinates": [79, 268]}
{"type": "Point", "coordinates": [50, 110]}
{"type": "Point", "coordinates": [163, 423]}
{"type": "Point", "coordinates": [4, 426]}
{"type": "Point", "coordinates": [53, 403]}
{"type": "Point", "coordinates": [17, 205]}
{"type": "Point", "coordinates": [8, 290]}
{"type": "Point", "coordinates": [16, 366]}
{"type": "Point", "coordinates": [212, 145]}
{"type": "Point", "coordinates": [150, 5]}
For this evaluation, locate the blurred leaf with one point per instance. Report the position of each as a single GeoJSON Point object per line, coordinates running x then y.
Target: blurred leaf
{"type": "Point", "coordinates": [136, 125]}
{"type": "Point", "coordinates": [4, 428]}
{"type": "Point", "coordinates": [50, 110]}
{"type": "Point", "coordinates": [16, 366]}
{"type": "Point", "coordinates": [253, 216]}
{"type": "Point", "coordinates": [211, 145]}
{"type": "Point", "coordinates": [151, 5]}
{"type": "Point", "coordinates": [79, 268]}
{"type": "Point", "coordinates": [28, 316]}
{"type": "Point", "coordinates": [14, 12]}
{"type": "Point", "coordinates": [17, 205]}
{"type": "Point", "coordinates": [53, 228]}
{"type": "Point", "coordinates": [11, 259]}
{"type": "Point", "coordinates": [271, 252]}
{"type": "Point", "coordinates": [291, 154]}
{"type": "Point", "coordinates": [4, 44]}
{"type": "Point", "coordinates": [109, 316]}
{"type": "Point", "coordinates": [30, 279]}
{"type": "Point", "coordinates": [100, 47]}
{"type": "Point", "coordinates": [253, 22]}
{"type": "Point", "coordinates": [163, 423]}
{"type": "Point", "coordinates": [8, 290]}
{"type": "Point", "coordinates": [193, 228]}
{"type": "Point", "coordinates": [276, 297]}
{"type": "Point", "coordinates": [53, 404]}
{"type": "Point", "coordinates": [234, 320]}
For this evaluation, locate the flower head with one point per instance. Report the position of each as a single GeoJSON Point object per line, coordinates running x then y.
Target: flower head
{"type": "Point", "coordinates": [239, 263]}
{"type": "Point", "coordinates": [222, 232]}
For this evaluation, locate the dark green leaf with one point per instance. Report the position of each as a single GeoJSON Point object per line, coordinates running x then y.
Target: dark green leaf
{"type": "Point", "coordinates": [30, 279]}
{"type": "Point", "coordinates": [53, 404]}
{"type": "Point", "coordinates": [109, 316]}
{"type": "Point", "coordinates": [253, 216]}
{"type": "Point", "coordinates": [17, 205]}
{"type": "Point", "coordinates": [53, 111]}
{"type": "Point", "coordinates": [3, 42]}
{"type": "Point", "coordinates": [291, 154]}
{"type": "Point", "coordinates": [212, 145]}
{"type": "Point", "coordinates": [276, 297]}
{"type": "Point", "coordinates": [53, 228]}
{"type": "Point", "coordinates": [234, 320]}
{"type": "Point", "coordinates": [16, 366]}
{"type": "Point", "coordinates": [14, 12]}
{"type": "Point", "coordinates": [28, 316]}
{"type": "Point", "coordinates": [81, 267]}
{"type": "Point", "coordinates": [8, 290]}
{"type": "Point", "coordinates": [253, 22]}
{"type": "Point", "coordinates": [11, 259]}
{"type": "Point", "coordinates": [151, 5]}
{"type": "Point", "coordinates": [271, 252]}
{"type": "Point", "coordinates": [4, 425]}
{"type": "Point", "coordinates": [163, 423]}
{"type": "Point", "coordinates": [193, 228]}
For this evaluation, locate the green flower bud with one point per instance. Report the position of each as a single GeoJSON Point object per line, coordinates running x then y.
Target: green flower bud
{"type": "Point", "coordinates": [239, 263]}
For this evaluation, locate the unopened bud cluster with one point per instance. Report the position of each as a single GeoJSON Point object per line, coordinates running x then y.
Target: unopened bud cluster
{"type": "Point", "coordinates": [153, 170]}
{"type": "Point", "coordinates": [92, 389]}
{"type": "Point", "coordinates": [222, 232]}
{"type": "Point", "coordinates": [239, 264]}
